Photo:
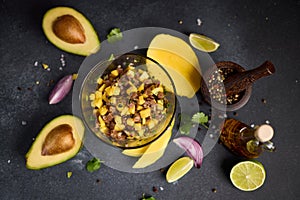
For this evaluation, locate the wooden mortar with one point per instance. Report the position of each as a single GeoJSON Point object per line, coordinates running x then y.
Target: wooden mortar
{"type": "Point", "coordinates": [236, 87]}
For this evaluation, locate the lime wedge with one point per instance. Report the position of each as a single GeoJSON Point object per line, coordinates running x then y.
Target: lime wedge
{"type": "Point", "coordinates": [203, 43]}
{"type": "Point", "coordinates": [248, 175]}
{"type": "Point", "coordinates": [179, 168]}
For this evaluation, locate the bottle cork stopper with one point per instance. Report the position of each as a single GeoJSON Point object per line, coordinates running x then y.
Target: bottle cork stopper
{"type": "Point", "coordinates": [264, 133]}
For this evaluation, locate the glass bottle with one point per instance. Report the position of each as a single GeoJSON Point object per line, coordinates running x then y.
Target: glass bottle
{"type": "Point", "coordinates": [245, 141]}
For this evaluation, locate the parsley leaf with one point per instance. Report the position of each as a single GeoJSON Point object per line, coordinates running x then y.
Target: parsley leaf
{"type": "Point", "coordinates": [114, 35]}
{"type": "Point", "coordinates": [93, 164]}
{"type": "Point", "coordinates": [200, 118]}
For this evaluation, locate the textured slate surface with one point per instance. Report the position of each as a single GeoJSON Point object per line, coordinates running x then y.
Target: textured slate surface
{"type": "Point", "coordinates": [249, 32]}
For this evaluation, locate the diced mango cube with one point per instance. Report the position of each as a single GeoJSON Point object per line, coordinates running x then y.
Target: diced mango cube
{"type": "Point", "coordinates": [104, 129]}
{"type": "Point", "coordinates": [116, 90]}
{"type": "Point", "coordinates": [124, 111]}
{"type": "Point", "coordinates": [101, 122]}
{"type": "Point", "coordinates": [130, 73]}
{"type": "Point", "coordinates": [144, 76]}
{"type": "Point", "coordinates": [143, 121]}
{"type": "Point", "coordinates": [145, 113]}
{"type": "Point", "coordinates": [130, 122]}
{"type": "Point", "coordinates": [119, 127]}
{"type": "Point", "coordinates": [138, 126]}
{"type": "Point", "coordinates": [115, 73]}
{"type": "Point", "coordinates": [98, 95]}
{"type": "Point", "coordinates": [118, 119]}
{"type": "Point", "coordinates": [98, 103]}
{"type": "Point", "coordinates": [100, 81]}
{"type": "Point", "coordinates": [139, 107]}
{"type": "Point", "coordinates": [161, 102]}
{"type": "Point", "coordinates": [142, 87]}
{"type": "Point", "coordinates": [92, 96]}
{"type": "Point", "coordinates": [131, 90]}
{"type": "Point", "coordinates": [141, 132]}
{"type": "Point", "coordinates": [109, 91]}
{"type": "Point", "coordinates": [155, 91]}
{"type": "Point", "coordinates": [131, 110]}
{"type": "Point", "coordinates": [159, 107]}
{"type": "Point", "coordinates": [103, 110]}
{"type": "Point", "coordinates": [141, 100]}
{"type": "Point", "coordinates": [102, 87]}
{"type": "Point", "coordinates": [152, 123]}
{"type": "Point", "coordinates": [113, 100]}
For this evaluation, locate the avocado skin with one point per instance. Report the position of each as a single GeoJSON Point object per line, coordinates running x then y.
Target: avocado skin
{"type": "Point", "coordinates": [34, 158]}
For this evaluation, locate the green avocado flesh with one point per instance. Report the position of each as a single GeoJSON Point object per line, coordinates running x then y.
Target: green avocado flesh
{"type": "Point", "coordinates": [57, 142]}
{"type": "Point", "coordinates": [70, 31]}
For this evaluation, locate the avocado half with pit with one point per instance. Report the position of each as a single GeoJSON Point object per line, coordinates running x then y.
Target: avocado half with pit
{"type": "Point", "coordinates": [70, 31]}
{"type": "Point", "coordinates": [57, 142]}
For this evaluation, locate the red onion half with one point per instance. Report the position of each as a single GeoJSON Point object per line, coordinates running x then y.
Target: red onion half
{"type": "Point", "coordinates": [61, 89]}
{"type": "Point", "coordinates": [192, 148]}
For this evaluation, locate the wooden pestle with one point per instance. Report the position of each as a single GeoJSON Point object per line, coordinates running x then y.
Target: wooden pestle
{"type": "Point", "coordinates": [239, 81]}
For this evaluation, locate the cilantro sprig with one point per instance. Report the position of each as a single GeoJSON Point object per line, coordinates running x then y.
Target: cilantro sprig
{"type": "Point", "coordinates": [187, 123]}
{"type": "Point", "coordinates": [200, 118]}
{"type": "Point", "coordinates": [93, 165]}
{"type": "Point", "coordinates": [114, 35]}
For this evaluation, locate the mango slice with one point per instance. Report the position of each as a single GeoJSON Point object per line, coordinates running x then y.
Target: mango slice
{"type": "Point", "coordinates": [135, 152]}
{"type": "Point", "coordinates": [180, 61]}
{"type": "Point", "coordinates": [155, 150]}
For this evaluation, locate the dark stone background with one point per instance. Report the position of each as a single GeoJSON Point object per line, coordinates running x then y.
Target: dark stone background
{"type": "Point", "coordinates": [249, 32]}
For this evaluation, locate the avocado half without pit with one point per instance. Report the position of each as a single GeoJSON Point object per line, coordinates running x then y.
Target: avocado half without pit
{"type": "Point", "coordinates": [57, 142]}
{"type": "Point", "coordinates": [70, 31]}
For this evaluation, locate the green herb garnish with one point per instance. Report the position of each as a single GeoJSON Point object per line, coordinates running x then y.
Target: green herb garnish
{"type": "Point", "coordinates": [147, 198]}
{"type": "Point", "coordinates": [93, 164]}
{"type": "Point", "coordinates": [185, 124]}
{"type": "Point", "coordinates": [114, 35]}
{"type": "Point", "coordinates": [200, 118]}
{"type": "Point", "coordinates": [111, 57]}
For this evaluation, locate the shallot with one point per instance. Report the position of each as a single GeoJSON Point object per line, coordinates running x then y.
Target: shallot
{"type": "Point", "coordinates": [192, 148]}
{"type": "Point", "coordinates": [61, 89]}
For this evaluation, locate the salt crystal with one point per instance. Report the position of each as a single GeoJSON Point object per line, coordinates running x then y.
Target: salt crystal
{"type": "Point", "coordinates": [24, 123]}
{"type": "Point", "coordinates": [199, 22]}
{"type": "Point", "coordinates": [60, 68]}
{"type": "Point", "coordinates": [267, 122]}
{"type": "Point", "coordinates": [161, 188]}
{"type": "Point", "coordinates": [36, 63]}
{"type": "Point", "coordinates": [8, 161]}
{"type": "Point", "coordinates": [252, 125]}
{"type": "Point", "coordinates": [136, 47]}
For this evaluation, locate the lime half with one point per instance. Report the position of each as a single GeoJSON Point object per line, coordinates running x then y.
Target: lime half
{"type": "Point", "coordinates": [203, 43]}
{"type": "Point", "coordinates": [248, 175]}
{"type": "Point", "coordinates": [179, 168]}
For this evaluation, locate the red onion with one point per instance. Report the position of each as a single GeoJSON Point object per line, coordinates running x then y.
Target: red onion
{"type": "Point", "coordinates": [192, 148]}
{"type": "Point", "coordinates": [61, 89]}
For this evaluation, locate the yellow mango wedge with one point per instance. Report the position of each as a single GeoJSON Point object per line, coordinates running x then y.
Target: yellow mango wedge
{"type": "Point", "coordinates": [155, 150]}
{"type": "Point", "coordinates": [135, 152]}
{"type": "Point", "coordinates": [180, 61]}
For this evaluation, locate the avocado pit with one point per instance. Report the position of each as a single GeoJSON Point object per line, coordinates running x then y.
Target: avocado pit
{"type": "Point", "coordinates": [59, 140]}
{"type": "Point", "coordinates": [69, 29]}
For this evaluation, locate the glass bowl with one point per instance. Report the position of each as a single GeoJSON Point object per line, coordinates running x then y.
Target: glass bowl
{"type": "Point", "coordinates": [125, 111]}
